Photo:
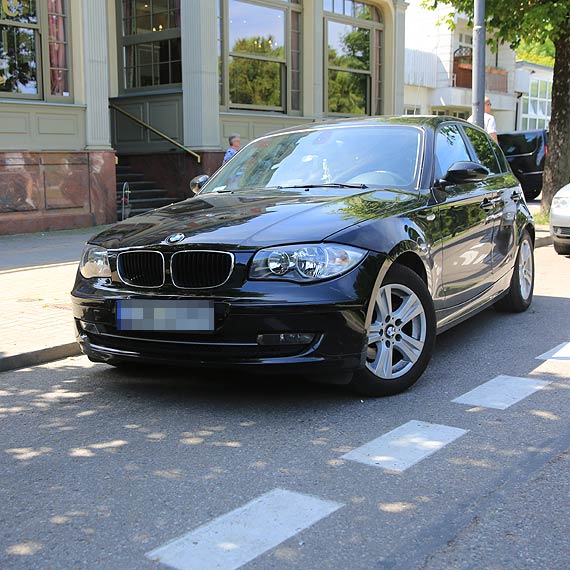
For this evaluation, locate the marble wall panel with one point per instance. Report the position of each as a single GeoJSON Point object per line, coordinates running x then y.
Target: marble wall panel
{"type": "Point", "coordinates": [102, 185]}
{"type": "Point", "coordinates": [20, 188]}
{"type": "Point", "coordinates": [66, 186]}
{"type": "Point", "coordinates": [19, 158]}
{"type": "Point", "coordinates": [65, 158]}
{"type": "Point", "coordinates": [42, 191]}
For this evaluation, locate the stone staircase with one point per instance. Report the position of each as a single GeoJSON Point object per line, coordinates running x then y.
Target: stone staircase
{"type": "Point", "coordinates": [144, 195]}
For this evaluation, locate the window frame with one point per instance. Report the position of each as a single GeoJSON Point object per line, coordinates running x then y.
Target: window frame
{"type": "Point", "coordinates": [473, 150]}
{"type": "Point", "coordinates": [223, 31]}
{"type": "Point", "coordinates": [463, 138]}
{"type": "Point", "coordinates": [533, 118]}
{"type": "Point", "coordinates": [375, 86]}
{"type": "Point", "coordinates": [124, 40]}
{"type": "Point", "coordinates": [43, 67]}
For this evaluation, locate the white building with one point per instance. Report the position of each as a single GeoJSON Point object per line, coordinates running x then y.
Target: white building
{"type": "Point", "coordinates": [439, 68]}
{"type": "Point", "coordinates": [535, 104]}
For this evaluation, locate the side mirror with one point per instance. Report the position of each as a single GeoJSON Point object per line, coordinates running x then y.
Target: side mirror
{"type": "Point", "coordinates": [463, 173]}
{"type": "Point", "coordinates": [197, 182]}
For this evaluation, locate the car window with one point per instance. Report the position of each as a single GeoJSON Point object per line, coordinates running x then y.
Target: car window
{"type": "Point", "coordinates": [501, 157]}
{"type": "Point", "coordinates": [483, 150]}
{"type": "Point", "coordinates": [519, 143]}
{"type": "Point", "coordinates": [449, 148]}
{"type": "Point", "coordinates": [379, 155]}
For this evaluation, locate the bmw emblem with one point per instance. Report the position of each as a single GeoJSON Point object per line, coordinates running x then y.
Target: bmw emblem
{"type": "Point", "coordinates": [175, 238]}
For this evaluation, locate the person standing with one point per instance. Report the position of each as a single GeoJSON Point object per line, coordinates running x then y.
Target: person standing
{"type": "Point", "coordinates": [235, 142]}
{"type": "Point", "coordinates": [489, 123]}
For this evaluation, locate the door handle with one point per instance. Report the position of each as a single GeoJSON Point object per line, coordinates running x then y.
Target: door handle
{"type": "Point", "coordinates": [486, 204]}
{"type": "Point", "coordinates": [428, 216]}
{"type": "Point", "coordinates": [515, 196]}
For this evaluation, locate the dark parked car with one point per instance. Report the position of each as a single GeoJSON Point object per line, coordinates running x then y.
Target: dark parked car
{"type": "Point", "coordinates": [526, 152]}
{"type": "Point", "coordinates": [338, 249]}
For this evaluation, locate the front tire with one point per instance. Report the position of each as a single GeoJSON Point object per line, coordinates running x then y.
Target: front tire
{"type": "Point", "coordinates": [519, 295]}
{"type": "Point", "coordinates": [401, 335]}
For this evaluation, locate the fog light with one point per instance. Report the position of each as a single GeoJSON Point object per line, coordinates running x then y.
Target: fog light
{"type": "Point", "coordinates": [285, 338]}
{"type": "Point", "coordinates": [89, 327]}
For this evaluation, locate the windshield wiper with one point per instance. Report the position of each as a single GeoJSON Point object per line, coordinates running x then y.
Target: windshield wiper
{"type": "Point", "coordinates": [328, 185]}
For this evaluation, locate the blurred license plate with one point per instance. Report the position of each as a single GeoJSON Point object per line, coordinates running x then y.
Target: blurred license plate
{"type": "Point", "coordinates": [164, 315]}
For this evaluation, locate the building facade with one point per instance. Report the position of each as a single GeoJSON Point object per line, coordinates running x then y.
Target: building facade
{"type": "Point", "coordinates": [160, 85]}
{"type": "Point", "coordinates": [57, 166]}
{"type": "Point", "coordinates": [535, 103]}
{"type": "Point", "coordinates": [151, 80]}
{"type": "Point", "coordinates": [439, 61]}
{"type": "Point", "coordinates": [201, 70]}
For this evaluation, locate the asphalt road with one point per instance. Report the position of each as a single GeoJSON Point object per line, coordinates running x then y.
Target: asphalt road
{"type": "Point", "coordinates": [100, 469]}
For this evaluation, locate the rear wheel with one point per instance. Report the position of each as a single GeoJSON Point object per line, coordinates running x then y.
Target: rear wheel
{"type": "Point", "coordinates": [519, 295]}
{"type": "Point", "coordinates": [401, 335]}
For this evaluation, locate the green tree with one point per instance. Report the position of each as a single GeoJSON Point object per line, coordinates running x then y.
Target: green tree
{"type": "Point", "coordinates": [537, 21]}
{"type": "Point", "coordinates": [348, 91]}
{"type": "Point", "coordinates": [256, 81]}
{"type": "Point", "coordinates": [541, 54]}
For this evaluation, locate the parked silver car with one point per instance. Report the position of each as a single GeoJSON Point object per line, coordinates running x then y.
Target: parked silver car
{"type": "Point", "coordinates": [560, 220]}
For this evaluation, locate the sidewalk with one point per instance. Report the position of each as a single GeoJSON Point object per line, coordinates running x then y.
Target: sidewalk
{"type": "Point", "coordinates": [37, 272]}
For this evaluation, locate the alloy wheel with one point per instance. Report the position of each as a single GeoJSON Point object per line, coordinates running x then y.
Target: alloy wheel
{"type": "Point", "coordinates": [397, 333]}
{"type": "Point", "coordinates": [526, 269]}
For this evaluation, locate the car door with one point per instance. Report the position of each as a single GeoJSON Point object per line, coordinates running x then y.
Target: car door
{"type": "Point", "coordinates": [466, 223]}
{"type": "Point", "coordinates": [504, 197]}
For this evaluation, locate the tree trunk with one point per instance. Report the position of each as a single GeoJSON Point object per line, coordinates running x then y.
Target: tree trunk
{"type": "Point", "coordinates": [557, 168]}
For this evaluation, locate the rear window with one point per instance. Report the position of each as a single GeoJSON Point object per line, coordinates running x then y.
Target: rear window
{"type": "Point", "coordinates": [521, 143]}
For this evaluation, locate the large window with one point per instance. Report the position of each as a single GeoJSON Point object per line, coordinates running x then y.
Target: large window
{"type": "Point", "coordinates": [151, 43]}
{"type": "Point", "coordinates": [353, 40]}
{"type": "Point", "coordinates": [259, 50]}
{"type": "Point", "coordinates": [536, 106]}
{"type": "Point", "coordinates": [34, 50]}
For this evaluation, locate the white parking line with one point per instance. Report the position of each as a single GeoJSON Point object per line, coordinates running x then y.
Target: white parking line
{"type": "Point", "coordinates": [239, 536]}
{"type": "Point", "coordinates": [561, 352]}
{"type": "Point", "coordinates": [501, 392]}
{"type": "Point", "coordinates": [405, 446]}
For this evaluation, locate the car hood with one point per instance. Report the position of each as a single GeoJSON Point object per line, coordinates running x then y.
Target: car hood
{"type": "Point", "coordinates": [256, 219]}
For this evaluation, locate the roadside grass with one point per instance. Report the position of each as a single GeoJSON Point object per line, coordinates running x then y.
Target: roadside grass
{"type": "Point", "coordinates": [541, 219]}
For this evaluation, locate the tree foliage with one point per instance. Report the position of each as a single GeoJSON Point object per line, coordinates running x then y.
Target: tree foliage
{"type": "Point", "coordinates": [348, 90]}
{"type": "Point", "coordinates": [256, 81]}
{"type": "Point", "coordinates": [541, 54]}
{"type": "Point", "coordinates": [537, 22]}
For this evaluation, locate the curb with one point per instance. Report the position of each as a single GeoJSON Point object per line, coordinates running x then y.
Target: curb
{"type": "Point", "coordinates": [41, 356]}
{"type": "Point", "coordinates": [543, 241]}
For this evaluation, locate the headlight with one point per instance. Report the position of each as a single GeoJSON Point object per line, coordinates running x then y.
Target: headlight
{"type": "Point", "coordinates": [94, 262]}
{"type": "Point", "coordinates": [305, 262]}
{"type": "Point", "coordinates": [560, 202]}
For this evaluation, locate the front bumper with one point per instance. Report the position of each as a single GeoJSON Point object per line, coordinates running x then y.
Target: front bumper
{"type": "Point", "coordinates": [333, 312]}
{"type": "Point", "coordinates": [560, 226]}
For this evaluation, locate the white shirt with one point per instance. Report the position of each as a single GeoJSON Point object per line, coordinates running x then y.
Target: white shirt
{"type": "Point", "coordinates": [489, 122]}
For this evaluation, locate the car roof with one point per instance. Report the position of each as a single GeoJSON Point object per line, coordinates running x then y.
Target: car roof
{"type": "Point", "coordinates": [522, 133]}
{"type": "Point", "coordinates": [425, 121]}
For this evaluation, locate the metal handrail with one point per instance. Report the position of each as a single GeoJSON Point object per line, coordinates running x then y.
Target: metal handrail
{"type": "Point", "coordinates": [125, 201]}
{"type": "Point", "coordinates": [156, 131]}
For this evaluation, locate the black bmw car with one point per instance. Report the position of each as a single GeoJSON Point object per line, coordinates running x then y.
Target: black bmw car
{"type": "Point", "coordinates": [337, 249]}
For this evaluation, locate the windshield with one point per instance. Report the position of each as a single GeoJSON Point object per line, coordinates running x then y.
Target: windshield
{"type": "Point", "coordinates": [367, 156]}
